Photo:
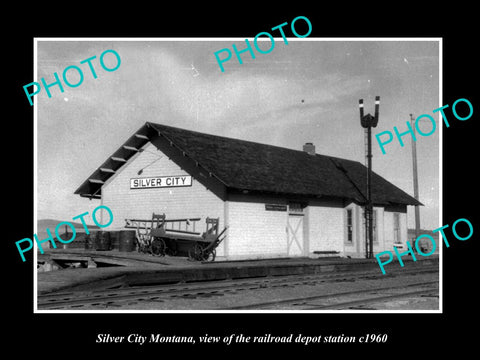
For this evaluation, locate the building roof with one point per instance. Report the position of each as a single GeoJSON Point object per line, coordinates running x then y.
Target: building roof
{"type": "Point", "coordinates": [249, 166]}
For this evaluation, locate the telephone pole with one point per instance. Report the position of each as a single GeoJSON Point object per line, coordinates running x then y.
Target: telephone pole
{"type": "Point", "coordinates": [415, 179]}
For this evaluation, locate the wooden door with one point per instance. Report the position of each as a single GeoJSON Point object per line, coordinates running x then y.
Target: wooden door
{"type": "Point", "coordinates": [295, 238]}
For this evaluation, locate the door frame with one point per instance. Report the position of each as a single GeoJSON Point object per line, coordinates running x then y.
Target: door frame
{"type": "Point", "coordinates": [297, 210]}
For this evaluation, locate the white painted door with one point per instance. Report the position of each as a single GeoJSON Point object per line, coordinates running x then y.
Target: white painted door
{"type": "Point", "coordinates": [295, 242]}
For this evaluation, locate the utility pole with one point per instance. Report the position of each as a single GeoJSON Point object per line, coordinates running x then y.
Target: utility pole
{"type": "Point", "coordinates": [368, 121]}
{"type": "Point", "coordinates": [415, 180]}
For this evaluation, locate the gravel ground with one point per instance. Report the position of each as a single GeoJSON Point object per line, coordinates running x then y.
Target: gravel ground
{"type": "Point", "coordinates": [232, 298]}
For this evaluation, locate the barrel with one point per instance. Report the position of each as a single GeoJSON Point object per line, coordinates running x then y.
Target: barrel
{"type": "Point", "coordinates": [102, 241]}
{"type": "Point", "coordinates": [89, 241]}
{"type": "Point", "coordinates": [114, 238]}
{"type": "Point", "coordinates": [71, 240]}
{"type": "Point", "coordinates": [78, 241]}
{"type": "Point", "coordinates": [126, 241]}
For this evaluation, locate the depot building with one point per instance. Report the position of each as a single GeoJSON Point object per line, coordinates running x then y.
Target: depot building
{"type": "Point", "coordinates": [276, 202]}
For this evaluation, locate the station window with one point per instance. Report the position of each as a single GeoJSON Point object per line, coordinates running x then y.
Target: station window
{"type": "Point", "coordinates": [349, 225]}
{"type": "Point", "coordinates": [396, 229]}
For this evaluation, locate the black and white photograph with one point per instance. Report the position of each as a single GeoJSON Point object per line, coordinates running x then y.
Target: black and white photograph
{"type": "Point", "coordinates": [259, 185]}
{"type": "Point", "coordinates": [221, 180]}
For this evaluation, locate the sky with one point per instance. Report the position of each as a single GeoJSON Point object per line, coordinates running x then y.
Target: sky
{"type": "Point", "coordinates": [303, 91]}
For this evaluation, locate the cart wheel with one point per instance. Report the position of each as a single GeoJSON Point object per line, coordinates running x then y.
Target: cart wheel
{"type": "Point", "coordinates": [195, 253]}
{"type": "Point", "coordinates": [158, 247]}
{"type": "Point", "coordinates": [210, 256]}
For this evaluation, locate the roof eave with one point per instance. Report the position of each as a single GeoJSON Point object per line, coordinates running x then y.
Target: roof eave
{"type": "Point", "coordinates": [119, 158]}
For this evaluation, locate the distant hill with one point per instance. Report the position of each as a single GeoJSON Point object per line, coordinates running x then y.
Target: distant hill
{"type": "Point", "coordinates": [51, 224]}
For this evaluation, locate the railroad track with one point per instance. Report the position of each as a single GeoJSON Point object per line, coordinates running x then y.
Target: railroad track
{"type": "Point", "coordinates": [163, 293]}
{"type": "Point", "coordinates": [355, 299]}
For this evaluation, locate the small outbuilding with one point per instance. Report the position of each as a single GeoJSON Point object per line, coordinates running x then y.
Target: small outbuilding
{"type": "Point", "coordinates": [276, 202]}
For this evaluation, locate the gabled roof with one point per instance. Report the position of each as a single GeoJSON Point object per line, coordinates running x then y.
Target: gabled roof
{"type": "Point", "coordinates": [245, 165]}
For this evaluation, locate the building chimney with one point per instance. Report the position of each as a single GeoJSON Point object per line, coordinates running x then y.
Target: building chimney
{"type": "Point", "coordinates": [309, 148]}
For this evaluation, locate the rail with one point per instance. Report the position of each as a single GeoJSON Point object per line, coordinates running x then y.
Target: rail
{"type": "Point", "coordinates": [169, 291]}
{"type": "Point", "coordinates": [186, 225]}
